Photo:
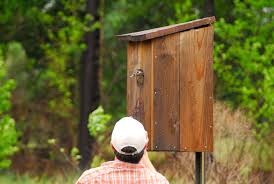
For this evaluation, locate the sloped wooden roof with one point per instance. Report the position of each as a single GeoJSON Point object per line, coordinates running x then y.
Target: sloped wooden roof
{"type": "Point", "coordinates": [163, 31]}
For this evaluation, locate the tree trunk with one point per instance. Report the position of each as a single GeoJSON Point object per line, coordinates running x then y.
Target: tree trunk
{"type": "Point", "coordinates": [209, 8]}
{"type": "Point", "coordinates": [89, 85]}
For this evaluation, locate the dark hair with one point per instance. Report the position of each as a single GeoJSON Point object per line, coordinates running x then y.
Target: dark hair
{"type": "Point", "coordinates": [135, 159]}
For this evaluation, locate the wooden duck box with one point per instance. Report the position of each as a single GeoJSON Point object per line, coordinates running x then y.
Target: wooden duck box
{"type": "Point", "coordinates": [170, 84]}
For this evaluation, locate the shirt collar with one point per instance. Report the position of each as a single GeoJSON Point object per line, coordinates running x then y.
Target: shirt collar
{"type": "Point", "coordinates": [120, 164]}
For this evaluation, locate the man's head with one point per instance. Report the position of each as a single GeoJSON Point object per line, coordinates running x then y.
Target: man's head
{"type": "Point", "coordinates": [129, 139]}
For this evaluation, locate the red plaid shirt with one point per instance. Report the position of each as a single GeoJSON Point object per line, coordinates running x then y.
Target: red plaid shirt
{"type": "Point", "coordinates": [118, 172]}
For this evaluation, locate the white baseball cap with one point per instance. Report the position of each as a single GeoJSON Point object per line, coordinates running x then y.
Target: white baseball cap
{"type": "Point", "coordinates": [129, 132]}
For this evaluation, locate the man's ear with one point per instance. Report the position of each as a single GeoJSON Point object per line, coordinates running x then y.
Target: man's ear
{"type": "Point", "coordinates": [147, 139]}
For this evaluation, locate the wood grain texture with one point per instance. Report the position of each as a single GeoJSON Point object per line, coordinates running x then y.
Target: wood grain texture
{"type": "Point", "coordinates": [166, 93]}
{"type": "Point", "coordinates": [163, 31]}
{"type": "Point", "coordinates": [196, 89]}
{"type": "Point", "coordinates": [138, 97]}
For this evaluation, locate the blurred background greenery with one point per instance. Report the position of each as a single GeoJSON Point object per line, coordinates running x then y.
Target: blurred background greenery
{"type": "Point", "coordinates": [44, 46]}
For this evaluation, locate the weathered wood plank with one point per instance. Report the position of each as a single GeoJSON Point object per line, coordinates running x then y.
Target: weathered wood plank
{"type": "Point", "coordinates": [132, 89]}
{"type": "Point", "coordinates": [166, 93]}
{"type": "Point", "coordinates": [163, 31]}
{"type": "Point", "coordinates": [138, 98]}
{"type": "Point", "coordinates": [145, 57]}
{"type": "Point", "coordinates": [196, 90]}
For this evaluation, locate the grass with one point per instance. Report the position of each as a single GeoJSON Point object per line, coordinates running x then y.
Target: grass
{"type": "Point", "coordinates": [11, 178]}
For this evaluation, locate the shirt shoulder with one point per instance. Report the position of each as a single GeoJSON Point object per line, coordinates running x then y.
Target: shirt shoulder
{"type": "Point", "coordinates": [90, 176]}
{"type": "Point", "coordinates": [156, 176]}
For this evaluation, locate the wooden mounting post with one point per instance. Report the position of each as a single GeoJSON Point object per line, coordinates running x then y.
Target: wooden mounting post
{"type": "Point", "coordinates": [199, 167]}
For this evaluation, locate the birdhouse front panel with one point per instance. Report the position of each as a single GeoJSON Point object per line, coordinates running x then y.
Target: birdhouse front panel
{"type": "Point", "coordinates": [139, 85]}
{"type": "Point", "coordinates": [170, 85]}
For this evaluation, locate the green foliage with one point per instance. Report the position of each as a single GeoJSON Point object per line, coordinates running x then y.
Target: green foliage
{"type": "Point", "coordinates": [63, 52]}
{"type": "Point", "coordinates": [19, 67]}
{"type": "Point", "coordinates": [98, 121]}
{"type": "Point", "coordinates": [42, 45]}
{"type": "Point", "coordinates": [97, 161]}
{"type": "Point", "coordinates": [8, 134]}
{"type": "Point", "coordinates": [244, 61]}
{"type": "Point", "coordinates": [99, 126]}
{"type": "Point", "coordinates": [8, 140]}
{"type": "Point", "coordinates": [75, 154]}
{"type": "Point", "coordinates": [57, 152]}
{"type": "Point", "coordinates": [184, 12]}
